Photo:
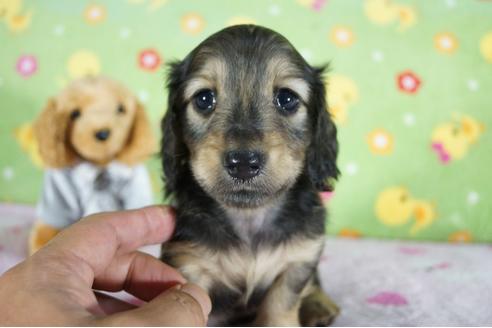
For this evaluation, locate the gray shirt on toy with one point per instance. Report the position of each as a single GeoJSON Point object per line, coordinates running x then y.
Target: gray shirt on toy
{"type": "Point", "coordinates": [74, 192]}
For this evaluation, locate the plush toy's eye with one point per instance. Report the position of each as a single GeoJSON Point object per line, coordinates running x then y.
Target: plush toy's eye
{"type": "Point", "coordinates": [204, 101]}
{"type": "Point", "coordinates": [286, 101]}
{"type": "Point", "coordinates": [75, 114]}
{"type": "Point", "coordinates": [121, 109]}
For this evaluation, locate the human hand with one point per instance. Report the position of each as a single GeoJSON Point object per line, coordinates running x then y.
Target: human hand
{"type": "Point", "coordinates": [54, 286]}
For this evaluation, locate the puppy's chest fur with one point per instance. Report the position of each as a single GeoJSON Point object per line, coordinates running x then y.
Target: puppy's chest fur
{"type": "Point", "coordinates": [239, 276]}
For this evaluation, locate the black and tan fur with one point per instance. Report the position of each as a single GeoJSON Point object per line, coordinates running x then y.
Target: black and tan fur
{"type": "Point", "coordinates": [253, 245]}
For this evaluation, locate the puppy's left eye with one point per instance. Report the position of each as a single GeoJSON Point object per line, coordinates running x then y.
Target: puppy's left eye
{"type": "Point", "coordinates": [121, 109]}
{"type": "Point", "coordinates": [204, 101]}
{"type": "Point", "coordinates": [286, 101]}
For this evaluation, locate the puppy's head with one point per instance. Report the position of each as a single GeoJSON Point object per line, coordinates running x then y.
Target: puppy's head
{"type": "Point", "coordinates": [247, 115]}
{"type": "Point", "coordinates": [93, 119]}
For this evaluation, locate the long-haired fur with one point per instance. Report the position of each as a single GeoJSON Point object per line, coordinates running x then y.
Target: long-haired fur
{"type": "Point", "coordinates": [253, 245]}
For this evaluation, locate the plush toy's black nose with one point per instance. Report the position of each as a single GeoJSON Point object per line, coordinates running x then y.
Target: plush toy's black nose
{"type": "Point", "coordinates": [102, 135]}
{"type": "Point", "coordinates": [243, 165]}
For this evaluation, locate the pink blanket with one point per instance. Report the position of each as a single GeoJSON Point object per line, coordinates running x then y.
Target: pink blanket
{"type": "Point", "coordinates": [376, 283]}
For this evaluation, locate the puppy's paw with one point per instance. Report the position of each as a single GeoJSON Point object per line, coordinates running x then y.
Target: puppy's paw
{"type": "Point", "coordinates": [318, 310]}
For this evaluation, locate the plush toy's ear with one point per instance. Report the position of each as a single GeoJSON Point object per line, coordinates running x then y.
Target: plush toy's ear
{"type": "Point", "coordinates": [173, 150]}
{"type": "Point", "coordinates": [322, 152]}
{"type": "Point", "coordinates": [141, 142]}
{"type": "Point", "coordinates": [51, 132]}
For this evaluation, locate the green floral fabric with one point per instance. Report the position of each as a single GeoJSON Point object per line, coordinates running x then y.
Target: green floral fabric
{"type": "Point", "coordinates": [410, 88]}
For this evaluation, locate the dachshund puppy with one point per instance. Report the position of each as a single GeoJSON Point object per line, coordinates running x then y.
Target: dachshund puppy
{"type": "Point", "coordinates": [247, 146]}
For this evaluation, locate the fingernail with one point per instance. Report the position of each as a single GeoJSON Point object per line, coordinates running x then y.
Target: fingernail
{"type": "Point", "coordinates": [200, 296]}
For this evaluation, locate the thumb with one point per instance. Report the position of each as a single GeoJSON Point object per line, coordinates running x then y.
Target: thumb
{"type": "Point", "coordinates": [186, 305]}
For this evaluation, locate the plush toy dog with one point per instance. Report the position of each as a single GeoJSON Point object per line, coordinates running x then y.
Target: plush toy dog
{"type": "Point", "coordinates": [93, 138]}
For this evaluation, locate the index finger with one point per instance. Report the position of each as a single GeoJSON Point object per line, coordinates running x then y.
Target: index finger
{"type": "Point", "coordinates": [94, 241]}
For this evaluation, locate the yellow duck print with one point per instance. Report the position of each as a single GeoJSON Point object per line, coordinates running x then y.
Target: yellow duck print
{"type": "Point", "coordinates": [14, 16]}
{"type": "Point", "coordinates": [486, 46]}
{"type": "Point", "coordinates": [342, 93]}
{"type": "Point", "coordinates": [25, 136]}
{"type": "Point", "coordinates": [395, 206]}
{"type": "Point", "coordinates": [152, 5]}
{"type": "Point", "coordinates": [80, 64]}
{"type": "Point", "coordinates": [451, 140]}
{"type": "Point", "coordinates": [385, 12]}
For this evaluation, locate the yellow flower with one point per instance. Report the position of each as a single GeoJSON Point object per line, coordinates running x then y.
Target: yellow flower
{"type": "Point", "coordinates": [192, 23]}
{"type": "Point", "coordinates": [445, 42]}
{"type": "Point", "coordinates": [94, 14]}
{"type": "Point", "coordinates": [380, 142]}
{"type": "Point", "coordinates": [486, 47]}
{"type": "Point", "coordinates": [342, 36]}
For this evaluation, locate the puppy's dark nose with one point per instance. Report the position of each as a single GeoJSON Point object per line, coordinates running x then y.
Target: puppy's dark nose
{"type": "Point", "coordinates": [102, 135]}
{"type": "Point", "coordinates": [243, 165]}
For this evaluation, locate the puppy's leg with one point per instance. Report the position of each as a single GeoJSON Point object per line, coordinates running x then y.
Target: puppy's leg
{"type": "Point", "coordinates": [317, 309]}
{"type": "Point", "coordinates": [280, 307]}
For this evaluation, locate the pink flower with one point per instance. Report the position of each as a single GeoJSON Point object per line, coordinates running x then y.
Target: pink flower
{"type": "Point", "coordinates": [149, 60]}
{"type": "Point", "coordinates": [408, 82]}
{"type": "Point", "coordinates": [26, 65]}
{"type": "Point", "coordinates": [317, 5]}
{"type": "Point", "coordinates": [442, 265]}
{"type": "Point", "coordinates": [411, 250]}
{"type": "Point", "coordinates": [388, 299]}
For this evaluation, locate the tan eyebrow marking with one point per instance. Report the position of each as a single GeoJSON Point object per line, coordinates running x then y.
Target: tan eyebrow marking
{"type": "Point", "coordinates": [286, 75]}
{"type": "Point", "coordinates": [298, 85]}
{"type": "Point", "coordinates": [195, 84]}
{"type": "Point", "coordinates": [209, 76]}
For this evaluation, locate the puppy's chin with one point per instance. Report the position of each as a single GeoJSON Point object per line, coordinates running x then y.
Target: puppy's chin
{"type": "Point", "coordinates": [244, 199]}
{"type": "Point", "coordinates": [245, 195]}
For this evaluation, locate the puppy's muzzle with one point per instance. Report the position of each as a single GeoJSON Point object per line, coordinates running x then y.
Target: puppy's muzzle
{"type": "Point", "coordinates": [243, 165]}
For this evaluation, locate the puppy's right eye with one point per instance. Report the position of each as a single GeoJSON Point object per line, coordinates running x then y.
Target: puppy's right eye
{"type": "Point", "coordinates": [204, 101]}
{"type": "Point", "coordinates": [75, 114]}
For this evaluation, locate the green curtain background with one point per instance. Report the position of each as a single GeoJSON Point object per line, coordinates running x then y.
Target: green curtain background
{"type": "Point", "coordinates": [410, 87]}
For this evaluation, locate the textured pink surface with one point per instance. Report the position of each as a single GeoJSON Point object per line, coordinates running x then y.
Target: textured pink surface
{"type": "Point", "coordinates": [376, 283]}
{"type": "Point", "coordinates": [412, 250]}
{"type": "Point", "coordinates": [388, 298]}
{"type": "Point", "coordinates": [15, 225]}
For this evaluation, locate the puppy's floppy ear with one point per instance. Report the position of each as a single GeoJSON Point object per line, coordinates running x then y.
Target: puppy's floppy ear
{"type": "Point", "coordinates": [141, 142]}
{"type": "Point", "coordinates": [322, 152]}
{"type": "Point", "coordinates": [51, 132]}
{"type": "Point", "coordinates": [173, 150]}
